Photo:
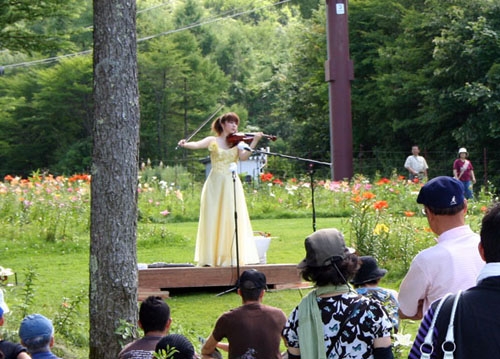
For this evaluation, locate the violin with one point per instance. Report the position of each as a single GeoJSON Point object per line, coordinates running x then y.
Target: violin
{"type": "Point", "coordinates": [237, 137]}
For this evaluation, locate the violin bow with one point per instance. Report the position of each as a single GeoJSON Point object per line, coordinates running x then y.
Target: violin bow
{"type": "Point", "coordinates": [202, 125]}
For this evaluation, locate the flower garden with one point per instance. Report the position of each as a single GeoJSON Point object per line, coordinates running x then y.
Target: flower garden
{"type": "Point", "coordinates": [47, 214]}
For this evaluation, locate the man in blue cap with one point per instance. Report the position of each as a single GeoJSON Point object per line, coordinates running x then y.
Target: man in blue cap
{"type": "Point", "coordinates": [451, 265]}
{"type": "Point", "coordinates": [37, 334]}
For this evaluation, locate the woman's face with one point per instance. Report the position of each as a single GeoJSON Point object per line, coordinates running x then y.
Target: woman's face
{"type": "Point", "coordinates": [230, 126]}
{"type": "Point", "coordinates": [463, 155]}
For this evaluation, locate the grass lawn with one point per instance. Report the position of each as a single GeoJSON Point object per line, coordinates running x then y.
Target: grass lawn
{"type": "Point", "coordinates": [62, 273]}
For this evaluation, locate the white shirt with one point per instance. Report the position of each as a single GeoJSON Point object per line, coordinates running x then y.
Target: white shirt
{"type": "Point", "coordinates": [451, 265]}
{"type": "Point", "coordinates": [416, 163]}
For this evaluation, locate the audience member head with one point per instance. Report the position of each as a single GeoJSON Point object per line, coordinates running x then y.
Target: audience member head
{"type": "Point", "coordinates": [328, 260]}
{"type": "Point", "coordinates": [369, 273]}
{"type": "Point", "coordinates": [36, 333]}
{"type": "Point", "coordinates": [442, 195]}
{"type": "Point", "coordinates": [177, 345]}
{"type": "Point", "coordinates": [251, 285]}
{"type": "Point", "coordinates": [154, 315]}
{"type": "Point", "coordinates": [490, 234]}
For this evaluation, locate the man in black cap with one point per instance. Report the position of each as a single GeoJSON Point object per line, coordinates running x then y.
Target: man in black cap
{"type": "Point", "coordinates": [453, 263]}
{"type": "Point", "coordinates": [253, 330]}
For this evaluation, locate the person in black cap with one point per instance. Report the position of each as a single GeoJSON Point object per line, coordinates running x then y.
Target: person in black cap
{"type": "Point", "coordinates": [453, 263]}
{"type": "Point", "coordinates": [333, 321]}
{"type": "Point", "coordinates": [366, 281]}
{"type": "Point", "coordinates": [253, 330]}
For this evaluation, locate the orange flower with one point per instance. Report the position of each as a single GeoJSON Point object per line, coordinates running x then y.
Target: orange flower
{"type": "Point", "coordinates": [368, 195]}
{"type": "Point", "coordinates": [484, 209]}
{"type": "Point", "coordinates": [380, 205]}
{"type": "Point", "coordinates": [8, 178]}
{"type": "Point", "coordinates": [278, 181]}
{"type": "Point", "coordinates": [356, 199]}
{"type": "Point", "coordinates": [409, 213]}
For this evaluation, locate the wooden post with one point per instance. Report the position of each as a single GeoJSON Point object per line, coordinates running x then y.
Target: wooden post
{"type": "Point", "coordinates": [339, 72]}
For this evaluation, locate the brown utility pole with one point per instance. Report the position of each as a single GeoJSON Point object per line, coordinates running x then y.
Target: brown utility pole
{"type": "Point", "coordinates": [339, 73]}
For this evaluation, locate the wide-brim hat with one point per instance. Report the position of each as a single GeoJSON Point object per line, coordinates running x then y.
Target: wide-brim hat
{"type": "Point", "coordinates": [369, 271]}
{"type": "Point", "coordinates": [324, 247]}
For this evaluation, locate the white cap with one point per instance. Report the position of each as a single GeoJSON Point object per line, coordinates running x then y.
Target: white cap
{"type": "Point", "coordinates": [462, 150]}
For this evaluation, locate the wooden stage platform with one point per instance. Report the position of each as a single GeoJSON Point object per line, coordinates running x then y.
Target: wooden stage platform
{"type": "Point", "coordinates": [158, 281]}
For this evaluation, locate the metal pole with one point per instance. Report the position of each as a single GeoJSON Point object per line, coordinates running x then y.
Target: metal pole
{"type": "Point", "coordinates": [339, 73]}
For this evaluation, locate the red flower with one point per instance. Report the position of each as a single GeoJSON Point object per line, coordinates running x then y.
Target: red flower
{"type": "Point", "coordinates": [266, 177]}
{"type": "Point", "coordinates": [383, 181]}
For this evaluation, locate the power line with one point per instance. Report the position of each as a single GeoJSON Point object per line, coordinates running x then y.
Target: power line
{"type": "Point", "coordinates": [191, 26]}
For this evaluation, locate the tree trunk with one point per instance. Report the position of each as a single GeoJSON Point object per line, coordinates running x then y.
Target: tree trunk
{"type": "Point", "coordinates": [113, 256]}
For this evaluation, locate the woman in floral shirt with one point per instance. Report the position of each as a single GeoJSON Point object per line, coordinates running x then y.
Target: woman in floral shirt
{"type": "Point", "coordinates": [333, 321]}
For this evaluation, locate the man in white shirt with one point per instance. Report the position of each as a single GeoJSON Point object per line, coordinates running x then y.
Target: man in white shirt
{"type": "Point", "coordinates": [416, 165]}
{"type": "Point", "coordinates": [453, 263]}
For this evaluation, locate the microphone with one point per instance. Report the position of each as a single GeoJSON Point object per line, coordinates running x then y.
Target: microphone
{"type": "Point", "coordinates": [245, 147]}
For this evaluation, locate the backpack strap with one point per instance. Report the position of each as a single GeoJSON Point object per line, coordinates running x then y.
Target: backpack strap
{"type": "Point", "coordinates": [449, 345]}
{"type": "Point", "coordinates": [427, 347]}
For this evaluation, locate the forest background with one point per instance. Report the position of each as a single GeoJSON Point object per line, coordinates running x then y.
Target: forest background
{"type": "Point", "coordinates": [426, 72]}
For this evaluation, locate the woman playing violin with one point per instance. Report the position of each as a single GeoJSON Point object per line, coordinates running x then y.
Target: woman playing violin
{"type": "Point", "coordinates": [216, 228]}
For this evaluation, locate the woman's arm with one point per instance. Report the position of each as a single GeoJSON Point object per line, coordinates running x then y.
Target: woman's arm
{"type": "Point", "coordinates": [196, 145]}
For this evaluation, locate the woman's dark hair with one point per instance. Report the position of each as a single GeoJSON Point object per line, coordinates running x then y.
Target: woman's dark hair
{"type": "Point", "coordinates": [325, 275]}
{"type": "Point", "coordinates": [227, 117]}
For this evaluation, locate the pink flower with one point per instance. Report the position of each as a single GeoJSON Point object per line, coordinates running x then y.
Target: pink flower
{"type": "Point", "coordinates": [165, 213]}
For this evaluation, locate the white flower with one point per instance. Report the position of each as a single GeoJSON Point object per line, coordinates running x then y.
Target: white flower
{"type": "Point", "coordinates": [403, 340]}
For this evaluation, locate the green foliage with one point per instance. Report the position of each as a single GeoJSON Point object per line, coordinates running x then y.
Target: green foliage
{"type": "Point", "coordinates": [425, 72]}
{"type": "Point", "coordinates": [126, 332]}
{"type": "Point", "coordinates": [166, 354]}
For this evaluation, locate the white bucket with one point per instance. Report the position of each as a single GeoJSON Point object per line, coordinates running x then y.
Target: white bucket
{"type": "Point", "coordinates": [262, 244]}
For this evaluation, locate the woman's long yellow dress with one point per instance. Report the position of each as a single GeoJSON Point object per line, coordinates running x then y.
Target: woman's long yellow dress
{"type": "Point", "coordinates": [216, 239]}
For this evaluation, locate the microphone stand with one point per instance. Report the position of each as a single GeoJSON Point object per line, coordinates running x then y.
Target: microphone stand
{"type": "Point", "coordinates": [311, 174]}
{"type": "Point", "coordinates": [236, 237]}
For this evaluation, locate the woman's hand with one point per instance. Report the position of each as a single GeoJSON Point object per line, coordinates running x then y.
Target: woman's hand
{"type": "Point", "coordinates": [181, 143]}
